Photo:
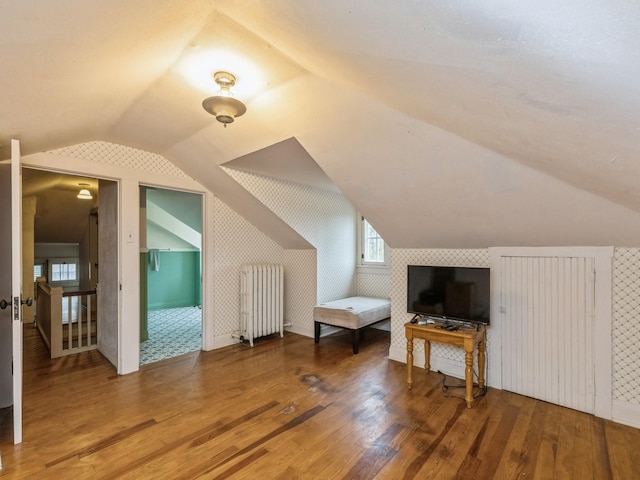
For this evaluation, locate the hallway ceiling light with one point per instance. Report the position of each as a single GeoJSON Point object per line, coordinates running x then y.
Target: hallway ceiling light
{"type": "Point", "coordinates": [84, 193]}
{"type": "Point", "coordinates": [222, 105]}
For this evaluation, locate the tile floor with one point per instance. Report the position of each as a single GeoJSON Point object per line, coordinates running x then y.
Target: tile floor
{"type": "Point", "coordinates": [172, 332]}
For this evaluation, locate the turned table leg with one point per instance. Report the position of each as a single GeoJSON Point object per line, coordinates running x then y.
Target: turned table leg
{"type": "Point", "coordinates": [410, 362]}
{"type": "Point", "coordinates": [468, 376]}
{"type": "Point", "coordinates": [427, 356]}
{"type": "Point", "coordinates": [482, 345]}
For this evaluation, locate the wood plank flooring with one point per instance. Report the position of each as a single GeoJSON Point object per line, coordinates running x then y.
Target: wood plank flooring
{"type": "Point", "coordinates": [291, 409]}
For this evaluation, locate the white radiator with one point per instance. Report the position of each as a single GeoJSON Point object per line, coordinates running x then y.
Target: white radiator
{"type": "Point", "coordinates": [261, 310]}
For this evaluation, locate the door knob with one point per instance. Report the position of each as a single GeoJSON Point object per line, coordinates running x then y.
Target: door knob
{"type": "Point", "coordinates": [4, 304]}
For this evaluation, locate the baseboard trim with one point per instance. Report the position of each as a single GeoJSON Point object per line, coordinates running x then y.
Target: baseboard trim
{"type": "Point", "coordinates": [438, 364]}
{"type": "Point", "coordinates": [222, 341]}
{"type": "Point", "coordinates": [305, 332]}
{"type": "Point", "coordinates": [626, 413]}
{"type": "Point", "coordinates": [226, 340]}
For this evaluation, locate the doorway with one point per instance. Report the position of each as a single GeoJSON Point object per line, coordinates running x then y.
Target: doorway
{"type": "Point", "coordinates": [64, 242]}
{"type": "Point", "coordinates": [60, 243]}
{"type": "Point", "coordinates": [170, 273]}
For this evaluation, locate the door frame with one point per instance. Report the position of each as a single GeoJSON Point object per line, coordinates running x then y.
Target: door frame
{"type": "Point", "coordinates": [13, 217]}
{"type": "Point", "coordinates": [83, 172]}
{"type": "Point", "coordinates": [129, 181]}
{"type": "Point", "coordinates": [206, 332]}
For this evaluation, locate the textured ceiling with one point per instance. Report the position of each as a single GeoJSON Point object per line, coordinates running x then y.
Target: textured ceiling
{"type": "Point", "coordinates": [452, 123]}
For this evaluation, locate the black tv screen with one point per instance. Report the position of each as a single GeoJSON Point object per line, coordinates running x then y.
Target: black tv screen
{"type": "Point", "coordinates": [454, 293]}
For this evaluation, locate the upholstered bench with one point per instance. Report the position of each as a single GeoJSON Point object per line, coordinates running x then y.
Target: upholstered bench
{"type": "Point", "coordinates": [353, 313]}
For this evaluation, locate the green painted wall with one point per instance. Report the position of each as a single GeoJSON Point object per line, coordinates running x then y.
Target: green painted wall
{"type": "Point", "coordinates": [177, 283]}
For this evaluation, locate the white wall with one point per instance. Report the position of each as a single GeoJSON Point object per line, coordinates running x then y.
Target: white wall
{"type": "Point", "coordinates": [625, 321]}
{"type": "Point", "coordinates": [329, 222]}
{"type": "Point", "coordinates": [626, 335]}
{"type": "Point", "coordinates": [443, 357]}
{"type": "Point", "coordinates": [130, 168]}
{"type": "Point", "coordinates": [301, 287]}
{"type": "Point", "coordinates": [228, 242]}
{"type": "Point", "coordinates": [160, 238]}
{"type": "Point", "coordinates": [373, 282]}
{"type": "Point", "coordinates": [234, 243]}
{"type": "Point", "coordinates": [324, 218]}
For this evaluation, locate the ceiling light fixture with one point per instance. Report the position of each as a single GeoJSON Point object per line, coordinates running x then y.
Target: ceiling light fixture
{"type": "Point", "coordinates": [84, 193]}
{"type": "Point", "coordinates": [222, 105]}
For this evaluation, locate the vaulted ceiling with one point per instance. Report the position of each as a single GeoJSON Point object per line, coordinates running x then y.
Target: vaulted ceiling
{"type": "Point", "coordinates": [448, 124]}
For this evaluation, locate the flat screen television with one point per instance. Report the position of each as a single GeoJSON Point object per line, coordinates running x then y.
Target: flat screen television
{"type": "Point", "coordinates": [449, 293]}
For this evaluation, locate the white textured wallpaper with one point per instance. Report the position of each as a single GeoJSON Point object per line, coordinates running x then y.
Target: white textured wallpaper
{"type": "Point", "coordinates": [122, 156]}
{"type": "Point", "coordinates": [625, 321]}
{"type": "Point", "coordinates": [374, 284]}
{"type": "Point", "coordinates": [328, 221]}
{"type": "Point", "coordinates": [235, 243]}
{"type": "Point", "coordinates": [300, 283]}
{"type": "Point", "coordinates": [626, 325]}
{"type": "Point", "coordinates": [400, 258]}
{"type": "Point", "coordinates": [325, 219]}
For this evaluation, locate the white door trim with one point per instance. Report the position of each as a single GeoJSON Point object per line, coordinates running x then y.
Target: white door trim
{"type": "Point", "coordinates": [129, 180]}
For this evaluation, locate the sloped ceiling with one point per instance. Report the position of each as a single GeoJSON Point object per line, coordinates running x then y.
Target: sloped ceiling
{"type": "Point", "coordinates": [183, 206]}
{"type": "Point", "coordinates": [286, 160]}
{"type": "Point", "coordinates": [60, 217]}
{"type": "Point", "coordinates": [448, 124]}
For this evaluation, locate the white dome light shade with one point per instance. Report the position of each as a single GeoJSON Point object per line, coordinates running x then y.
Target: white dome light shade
{"type": "Point", "coordinates": [222, 105]}
{"type": "Point", "coordinates": [84, 194]}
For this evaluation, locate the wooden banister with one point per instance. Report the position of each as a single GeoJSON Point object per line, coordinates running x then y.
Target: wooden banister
{"type": "Point", "coordinates": [77, 331]}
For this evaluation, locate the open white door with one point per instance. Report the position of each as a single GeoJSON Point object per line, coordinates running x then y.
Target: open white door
{"type": "Point", "coordinates": [11, 290]}
{"type": "Point", "coordinates": [16, 286]}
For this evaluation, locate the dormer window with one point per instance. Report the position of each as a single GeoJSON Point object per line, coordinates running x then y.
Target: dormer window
{"type": "Point", "coordinates": [372, 249]}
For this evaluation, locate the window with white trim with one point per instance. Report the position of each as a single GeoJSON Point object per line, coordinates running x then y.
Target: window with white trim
{"type": "Point", "coordinates": [63, 271]}
{"type": "Point", "coordinates": [372, 249]}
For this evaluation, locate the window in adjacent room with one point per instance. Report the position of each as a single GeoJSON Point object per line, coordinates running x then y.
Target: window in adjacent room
{"type": "Point", "coordinates": [373, 251]}
{"type": "Point", "coordinates": [38, 271]}
{"type": "Point", "coordinates": [63, 271]}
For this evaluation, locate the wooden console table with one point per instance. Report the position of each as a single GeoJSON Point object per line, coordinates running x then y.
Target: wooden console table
{"type": "Point", "coordinates": [466, 338]}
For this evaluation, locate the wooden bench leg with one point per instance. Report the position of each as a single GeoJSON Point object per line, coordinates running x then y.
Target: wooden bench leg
{"type": "Point", "coordinates": [316, 332]}
{"type": "Point", "coordinates": [356, 340]}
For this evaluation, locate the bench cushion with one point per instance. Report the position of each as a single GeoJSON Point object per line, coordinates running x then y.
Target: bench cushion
{"type": "Point", "coordinates": [353, 312]}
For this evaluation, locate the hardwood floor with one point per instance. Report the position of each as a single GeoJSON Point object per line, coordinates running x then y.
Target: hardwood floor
{"type": "Point", "coordinates": [290, 409]}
